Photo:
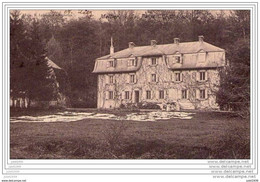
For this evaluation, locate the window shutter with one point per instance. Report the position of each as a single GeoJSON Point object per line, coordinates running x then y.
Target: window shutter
{"type": "Point", "coordinates": [197, 75]}
{"type": "Point", "coordinates": [206, 93]}
{"type": "Point", "coordinates": [173, 76]}
{"type": "Point", "coordinates": [123, 95]}
{"type": "Point", "coordinates": [181, 76]}
{"type": "Point", "coordinates": [115, 62]}
{"type": "Point", "coordinates": [135, 79]}
{"type": "Point", "coordinates": [157, 78]}
{"type": "Point", "coordinates": [107, 95]}
{"type": "Point", "coordinates": [130, 95]}
{"type": "Point", "coordinates": [107, 79]}
{"type": "Point", "coordinates": [107, 63]}
{"type": "Point", "coordinates": [206, 75]}
{"type": "Point", "coordinates": [128, 78]}
{"type": "Point", "coordinates": [179, 96]}
{"type": "Point", "coordinates": [114, 95]}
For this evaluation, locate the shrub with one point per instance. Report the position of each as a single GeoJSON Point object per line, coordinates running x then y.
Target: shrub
{"type": "Point", "coordinates": [148, 105]}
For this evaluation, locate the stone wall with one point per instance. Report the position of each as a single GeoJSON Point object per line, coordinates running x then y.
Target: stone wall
{"type": "Point", "coordinates": [165, 81]}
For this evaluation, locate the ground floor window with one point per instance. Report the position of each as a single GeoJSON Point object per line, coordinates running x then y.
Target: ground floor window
{"type": "Point", "coordinates": [161, 94]}
{"type": "Point", "coordinates": [111, 95]}
{"type": "Point", "coordinates": [184, 94]}
{"type": "Point", "coordinates": [202, 94]}
{"type": "Point", "coordinates": [148, 94]}
{"type": "Point", "coordinates": [127, 95]}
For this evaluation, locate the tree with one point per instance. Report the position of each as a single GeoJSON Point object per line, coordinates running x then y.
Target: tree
{"type": "Point", "coordinates": [41, 84]}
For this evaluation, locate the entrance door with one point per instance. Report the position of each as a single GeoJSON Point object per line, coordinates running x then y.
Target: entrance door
{"type": "Point", "coordinates": [136, 96]}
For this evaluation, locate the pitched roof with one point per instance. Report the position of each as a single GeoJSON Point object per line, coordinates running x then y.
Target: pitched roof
{"type": "Point", "coordinates": [184, 47]}
{"type": "Point", "coordinates": [157, 50]}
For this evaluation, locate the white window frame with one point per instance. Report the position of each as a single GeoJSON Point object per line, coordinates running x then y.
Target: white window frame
{"type": "Point", "coordinates": [177, 75]}
{"type": "Point", "coordinates": [178, 60]}
{"type": "Point", "coordinates": [132, 62]}
{"type": "Point", "coordinates": [148, 94]}
{"type": "Point", "coordinates": [154, 77]}
{"type": "Point", "coordinates": [161, 93]}
{"type": "Point", "coordinates": [110, 95]}
{"type": "Point", "coordinates": [186, 94]}
{"type": "Point", "coordinates": [127, 95]}
{"type": "Point", "coordinates": [132, 78]}
{"type": "Point", "coordinates": [202, 98]}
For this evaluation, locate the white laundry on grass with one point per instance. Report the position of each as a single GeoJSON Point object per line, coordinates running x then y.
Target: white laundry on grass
{"type": "Point", "coordinates": [76, 116]}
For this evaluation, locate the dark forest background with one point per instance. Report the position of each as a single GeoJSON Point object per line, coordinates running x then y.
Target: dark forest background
{"type": "Point", "coordinates": [75, 43]}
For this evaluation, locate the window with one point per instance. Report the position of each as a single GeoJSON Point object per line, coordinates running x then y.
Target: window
{"type": "Point", "coordinates": [111, 63]}
{"type": "Point", "coordinates": [111, 79]}
{"type": "Point", "coordinates": [132, 78]}
{"type": "Point", "coordinates": [132, 62]}
{"type": "Point", "coordinates": [111, 95]}
{"type": "Point", "coordinates": [127, 95]}
{"type": "Point", "coordinates": [178, 59]}
{"type": "Point", "coordinates": [177, 77]}
{"type": "Point", "coordinates": [184, 94]}
{"type": "Point", "coordinates": [148, 94]}
{"type": "Point", "coordinates": [161, 94]}
{"type": "Point", "coordinates": [154, 61]}
{"type": "Point", "coordinates": [202, 76]}
{"type": "Point", "coordinates": [154, 79]}
{"type": "Point", "coordinates": [202, 94]}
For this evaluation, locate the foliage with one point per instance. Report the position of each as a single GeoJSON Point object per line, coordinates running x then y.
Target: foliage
{"type": "Point", "coordinates": [74, 43]}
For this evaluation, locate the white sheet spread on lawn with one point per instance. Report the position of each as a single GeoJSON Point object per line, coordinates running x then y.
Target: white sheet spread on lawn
{"type": "Point", "coordinates": [76, 116]}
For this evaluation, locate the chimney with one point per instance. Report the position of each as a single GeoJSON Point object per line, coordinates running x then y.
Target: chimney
{"type": "Point", "coordinates": [153, 42]}
{"type": "Point", "coordinates": [201, 38]}
{"type": "Point", "coordinates": [111, 47]}
{"type": "Point", "coordinates": [176, 41]}
{"type": "Point", "coordinates": [131, 45]}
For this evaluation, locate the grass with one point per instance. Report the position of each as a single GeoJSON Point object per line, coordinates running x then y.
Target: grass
{"type": "Point", "coordinates": [206, 136]}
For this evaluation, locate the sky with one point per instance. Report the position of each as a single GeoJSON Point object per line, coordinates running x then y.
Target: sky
{"type": "Point", "coordinates": [96, 13]}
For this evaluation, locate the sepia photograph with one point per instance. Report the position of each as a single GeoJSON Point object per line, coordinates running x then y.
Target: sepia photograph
{"type": "Point", "coordinates": [130, 84]}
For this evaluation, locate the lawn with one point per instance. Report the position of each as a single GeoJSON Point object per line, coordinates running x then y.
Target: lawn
{"type": "Point", "coordinates": [208, 135]}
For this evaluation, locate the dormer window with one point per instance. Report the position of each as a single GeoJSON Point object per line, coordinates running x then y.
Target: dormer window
{"type": "Point", "coordinates": [132, 78]}
{"type": "Point", "coordinates": [177, 59]}
{"type": "Point", "coordinates": [132, 62]}
{"type": "Point", "coordinates": [112, 63]}
{"type": "Point", "coordinates": [111, 79]}
{"type": "Point", "coordinates": [154, 61]}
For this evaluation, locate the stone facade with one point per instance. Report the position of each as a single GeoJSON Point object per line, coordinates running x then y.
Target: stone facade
{"type": "Point", "coordinates": [182, 78]}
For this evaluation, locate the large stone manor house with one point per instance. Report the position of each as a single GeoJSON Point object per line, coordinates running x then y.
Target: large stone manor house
{"type": "Point", "coordinates": [184, 73]}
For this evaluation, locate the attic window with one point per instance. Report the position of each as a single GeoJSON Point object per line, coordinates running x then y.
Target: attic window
{"type": "Point", "coordinates": [132, 62]}
{"type": "Point", "coordinates": [127, 95]}
{"type": "Point", "coordinates": [111, 95]}
{"type": "Point", "coordinates": [154, 78]}
{"type": "Point", "coordinates": [178, 59]}
{"type": "Point", "coordinates": [111, 63]}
